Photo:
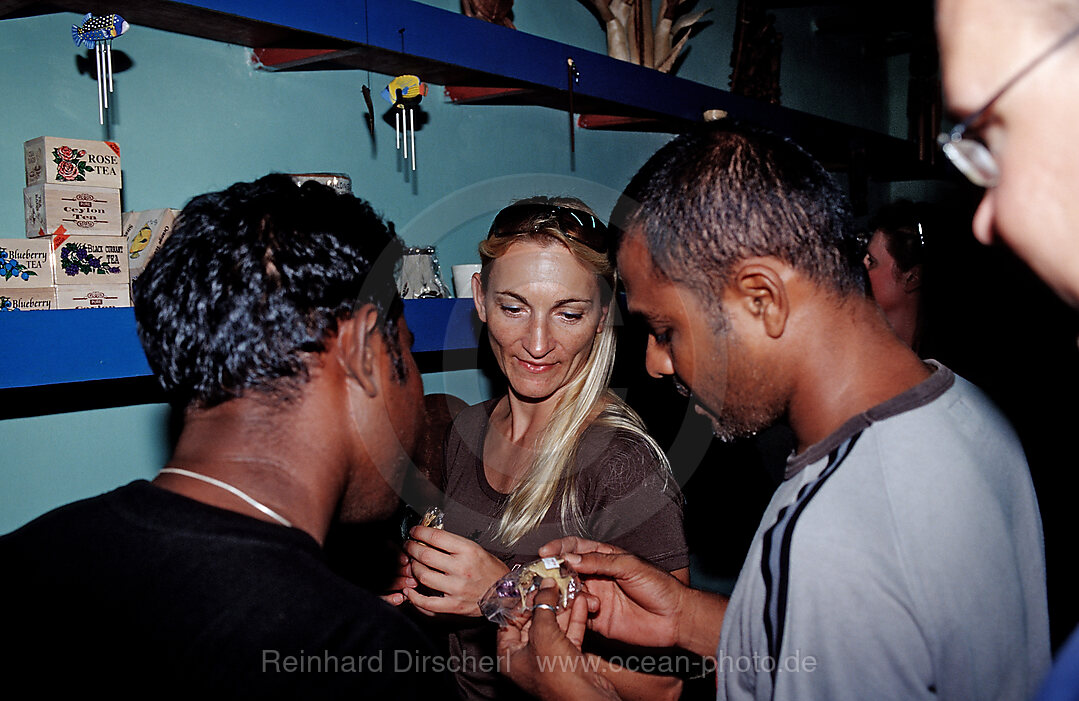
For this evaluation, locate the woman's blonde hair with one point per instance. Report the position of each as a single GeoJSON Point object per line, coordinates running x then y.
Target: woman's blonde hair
{"type": "Point", "coordinates": [586, 401]}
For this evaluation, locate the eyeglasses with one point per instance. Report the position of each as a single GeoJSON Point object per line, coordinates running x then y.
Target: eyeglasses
{"type": "Point", "coordinates": [574, 224]}
{"type": "Point", "coordinates": [972, 157]}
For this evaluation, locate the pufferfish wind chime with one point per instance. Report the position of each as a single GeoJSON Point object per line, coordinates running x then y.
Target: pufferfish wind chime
{"type": "Point", "coordinates": [405, 92]}
{"type": "Point", "coordinates": [97, 33]}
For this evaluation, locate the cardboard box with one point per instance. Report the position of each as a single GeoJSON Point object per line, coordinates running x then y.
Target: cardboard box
{"type": "Point", "coordinates": [25, 263]}
{"type": "Point", "coordinates": [27, 299]}
{"type": "Point", "coordinates": [52, 210]}
{"type": "Point", "coordinates": [57, 161]}
{"type": "Point", "coordinates": [89, 260]}
{"type": "Point", "coordinates": [145, 231]}
{"type": "Point", "coordinates": [92, 296]}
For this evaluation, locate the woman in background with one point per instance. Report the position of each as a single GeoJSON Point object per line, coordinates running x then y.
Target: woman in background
{"type": "Point", "coordinates": [896, 264]}
{"type": "Point", "coordinates": [559, 454]}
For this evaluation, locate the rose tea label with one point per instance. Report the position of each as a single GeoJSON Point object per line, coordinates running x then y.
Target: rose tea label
{"type": "Point", "coordinates": [55, 161]}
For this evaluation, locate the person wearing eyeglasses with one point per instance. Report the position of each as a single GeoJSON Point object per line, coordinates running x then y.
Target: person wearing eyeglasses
{"type": "Point", "coordinates": [1010, 73]}
{"type": "Point", "coordinates": [558, 454]}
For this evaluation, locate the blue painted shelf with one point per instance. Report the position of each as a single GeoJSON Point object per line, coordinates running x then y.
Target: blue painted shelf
{"type": "Point", "coordinates": [40, 348]}
{"type": "Point", "coordinates": [447, 48]}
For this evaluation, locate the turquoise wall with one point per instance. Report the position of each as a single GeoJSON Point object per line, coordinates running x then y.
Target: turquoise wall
{"type": "Point", "coordinates": [192, 116]}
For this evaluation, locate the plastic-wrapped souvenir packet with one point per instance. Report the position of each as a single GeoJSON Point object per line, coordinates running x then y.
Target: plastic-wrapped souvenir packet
{"type": "Point", "coordinates": [432, 518]}
{"type": "Point", "coordinates": [509, 601]}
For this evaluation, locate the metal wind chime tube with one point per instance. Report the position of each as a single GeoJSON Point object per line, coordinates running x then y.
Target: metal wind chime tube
{"type": "Point", "coordinates": [108, 54]}
{"type": "Point", "coordinates": [412, 129]}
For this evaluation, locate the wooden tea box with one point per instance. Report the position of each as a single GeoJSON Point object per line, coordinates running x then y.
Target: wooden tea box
{"type": "Point", "coordinates": [92, 296]}
{"type": "Point", "coordinates": [52, 210]}
{"type": "Point", "coordinates": [25, 264]}
{"type": "Point", "coordinates": [57, 161]}
{"type": "Point", "coordinates": [27, 299]}
{"type": "Point", "coordinates": [145, 231]}
{"type": "Point", "coordinates": [89, 260]}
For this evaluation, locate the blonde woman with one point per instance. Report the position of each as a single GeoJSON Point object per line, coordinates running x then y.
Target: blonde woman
{"type": "Point", "coordinates": [559, 454]}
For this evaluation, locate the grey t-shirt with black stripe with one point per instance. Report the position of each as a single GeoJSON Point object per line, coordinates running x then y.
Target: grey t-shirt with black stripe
{"type": "Point", "coordinates": [901, 558]}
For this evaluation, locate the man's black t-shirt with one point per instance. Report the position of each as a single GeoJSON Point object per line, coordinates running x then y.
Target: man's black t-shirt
{"type": "Point", "coordinates": [143, 591]}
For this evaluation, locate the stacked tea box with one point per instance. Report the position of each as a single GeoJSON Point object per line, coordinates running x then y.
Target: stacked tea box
{"type": "Point", "coordinates": [26, 275]}
{"type": "Point", "coordinates": [144, 232]}
{"type": "Point", "coordinates": [74, 255]}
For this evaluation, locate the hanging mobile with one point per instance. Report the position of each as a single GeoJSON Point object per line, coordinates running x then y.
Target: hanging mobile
{"type": "Point", "coordinates": [369, 118]}
{"type": "Point", "coordinates": [405, 92]}
{"type": "Point", "coordinates": [98, 33]}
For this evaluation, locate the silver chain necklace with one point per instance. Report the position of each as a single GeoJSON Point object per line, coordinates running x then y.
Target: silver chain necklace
{"type": "Point", "coordinates": [233, 490]}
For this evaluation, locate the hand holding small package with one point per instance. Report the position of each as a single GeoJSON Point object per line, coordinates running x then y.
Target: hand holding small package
{"type": "Point", "coordinates": [509, 600]}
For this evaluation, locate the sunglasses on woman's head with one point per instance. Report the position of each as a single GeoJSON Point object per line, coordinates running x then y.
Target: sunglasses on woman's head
{"type": "Point", "coordinates": [575, 224]}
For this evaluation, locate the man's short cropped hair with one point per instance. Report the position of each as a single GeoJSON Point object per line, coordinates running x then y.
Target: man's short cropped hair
{"type": "Point", "coordinates": [722, 193]}
{"type": "Point", "coordinates": [256, 277]}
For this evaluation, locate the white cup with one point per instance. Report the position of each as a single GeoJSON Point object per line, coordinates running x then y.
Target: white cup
{"type": "Point", "coordinates": [462, 278]}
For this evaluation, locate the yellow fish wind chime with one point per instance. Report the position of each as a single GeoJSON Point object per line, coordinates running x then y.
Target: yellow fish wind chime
{"type": "Point", "coordinates": [97, 33]}
{"type": "Point", "coordinates": [405, 92]}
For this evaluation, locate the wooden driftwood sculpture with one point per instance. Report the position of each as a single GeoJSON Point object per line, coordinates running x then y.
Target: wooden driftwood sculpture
{"type": "Point", "coordinates": [755, 58]}
{"type": "Point", "coordinates": [493, 11]}
{"type": "Point", "coordinates": [631, 36]}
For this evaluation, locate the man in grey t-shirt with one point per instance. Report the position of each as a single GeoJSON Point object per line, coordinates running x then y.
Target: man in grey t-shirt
{"type": "Point", "coordinates": [890, 542]}
{"type": "Point", "coordinates": [902, 556]}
